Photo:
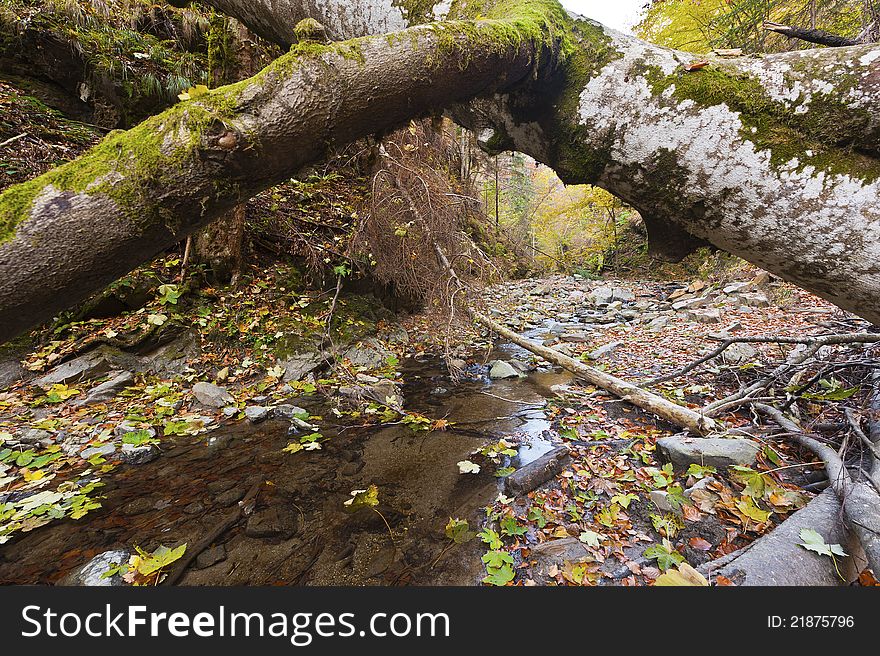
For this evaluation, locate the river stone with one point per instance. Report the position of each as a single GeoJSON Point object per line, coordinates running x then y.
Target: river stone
{"type": "Point", "coordinates": [272, 522]}
{"type": "Point", "coordinates": [711, 315]}
{"type": "Point", "coordinates": [211, 556]}
{"type": "Point", "coordinates": [212, 395]}
{"type": "Point", "coordinates": [109, 389]}
{"type": "Point", "coordinates": [499, 370]}
{"type": "Point", "coordinates": [34, 436]}
{"type": "Point", "coordinates": [257, 413]}
{"type": "Point", "coordinates": [369, 354]}
{"type": "Point", "coordinates": [288, 411]}
{"type": "Point", "coordinates": [138, 455]}
{"type": "Point", "coordinates": [754, 299]}
{"type": "Point", "coordinates": [90, 574]}
{"type": "Point", "coordinates": [777, 559]}
{"type": "Point", "coordinates": [555, 553]}
{"type": "Point", "coordinates": [719, 452]}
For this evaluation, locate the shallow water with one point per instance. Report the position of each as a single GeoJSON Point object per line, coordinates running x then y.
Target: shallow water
{"type": "Point", "coordinates": [300, 532]}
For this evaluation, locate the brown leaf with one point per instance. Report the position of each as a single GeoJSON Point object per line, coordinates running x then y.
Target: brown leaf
{"type": "Point", "coordinates": [700, 544]}
{"type": "Point", "coordinates": [696, 65]}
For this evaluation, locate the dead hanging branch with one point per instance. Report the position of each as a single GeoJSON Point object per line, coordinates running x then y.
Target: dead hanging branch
{"type": "Point", "coordinates": [819, 37]}
{"type": "Point", "coordinates": [860, 500]}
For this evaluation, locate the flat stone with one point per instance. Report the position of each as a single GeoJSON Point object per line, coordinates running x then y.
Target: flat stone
{"type": "Point", "coordinates": [555, 553]}
{"type": "Point", "coordinates": [104, 450]}
{"type": "Point", "coordinates": [86, 367]}
{"type": "Point", "coordinates": [604, 351]}
{"type": "Point", "coordinates": [660, 498]}
{"type": "Point", "coordinates": [257, 413]}
{"type": "Point", "coordinates": [109, 389]}
{"type": "Point", "coordinates": [499, 370]}
{"type": "Point", "coordinates": [34, 436]}
{"type": "Point", "coordinates": [211, 395]}
{"type": "Point", "coordinates": [755, 299]}
{"type": "Point", "coordinates": [718, 452]}
{"type": "Point", "coordinates": [690, 303]}
{"type": "Point", "coordinates": [229, 497]}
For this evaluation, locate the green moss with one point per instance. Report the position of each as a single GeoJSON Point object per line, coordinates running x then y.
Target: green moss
{"type": "Point", "coordinates": [575, 160]}
{"type": "Point", "coordinates": [827, 130]}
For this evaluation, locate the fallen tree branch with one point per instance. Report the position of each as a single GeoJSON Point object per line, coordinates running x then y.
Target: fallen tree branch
{"type": "Point", "coordinates": [859, 500]}
{"type": "Point", "coordinates": [692, 420]}
{"type": "Point", "coordinates": [727, 342]}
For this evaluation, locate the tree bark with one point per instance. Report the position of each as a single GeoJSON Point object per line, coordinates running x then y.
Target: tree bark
{"type": "Point", "coordinates": [819, 37]}
{"type": "Point", "coordinates": [774, 159]}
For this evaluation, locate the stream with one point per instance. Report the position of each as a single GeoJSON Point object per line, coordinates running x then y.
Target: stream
{"type": "Point", "coordinates": [299, 532]}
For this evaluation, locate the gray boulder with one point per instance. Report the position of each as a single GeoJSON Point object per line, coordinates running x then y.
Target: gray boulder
{"type": "Point", "coordinates": [212, 396]}
{"type": "Point", "coordinates": [499, 370]}
{"type": "Point", "coordinates": [719, 452]}
{"type": "Point", "coordinates": [301, 365]}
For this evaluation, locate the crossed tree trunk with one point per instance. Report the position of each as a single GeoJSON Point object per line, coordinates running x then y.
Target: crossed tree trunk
{"type": "Point", "coordinates": [772, 158]}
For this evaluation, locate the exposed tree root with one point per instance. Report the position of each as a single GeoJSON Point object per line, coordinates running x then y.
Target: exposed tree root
{"type": "Point", "coordinates": [859, 500]}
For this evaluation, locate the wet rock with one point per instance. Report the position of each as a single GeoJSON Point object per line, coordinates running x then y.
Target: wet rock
{"type": "Point", "coordinates": [216, 487]}
{"type": "Point", "coordinates": [288, 411]}
{"type": "Point", "coordinates": [139, 506]}
{"type": "Point", "coordinates": [225, 499]}
{"type": "Point", "coordinates": [604, 351]}
{"type": "Point", "coordinates": [93, 364]}
{"type": "Point", "coordinates": [11, 370]}
{"type": "Point", "coordinates": [211, 556]}
{"type": "Point", "coordinates": [195, 508]}
{"type": "Point", "coordinates": [500, 370]}
{"type": "Point", "coordinates": [109, 389]}
{"type": "Point", "coordinates": [138, 455]}
{"type": "Point", "coordinates": [536, 473]}
{"type": "Point", "coordinates": [91, 574]}
{"type": "Point", "coordinates": [555, 553]}
{"type": "Point", "coordinates": [257, 413]}
{"type": "Point", "coordinates": [718, 452]}
{"type": "Point", "coordinates": [273, 522]}
{"type": "Point", "coordinates": [212, 396]}
{"type": "Point", "coordinates": [352, 468]}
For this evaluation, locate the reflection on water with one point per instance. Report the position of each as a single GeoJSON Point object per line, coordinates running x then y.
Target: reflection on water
{"type": "Point", "coordinates": [299, 532]}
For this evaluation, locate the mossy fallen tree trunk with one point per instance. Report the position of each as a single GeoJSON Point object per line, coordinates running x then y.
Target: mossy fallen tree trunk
{"type": "Point", "coordinates": [774, 159]}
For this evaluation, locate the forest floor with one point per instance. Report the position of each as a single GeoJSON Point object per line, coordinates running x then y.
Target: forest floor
{"type": "Point", "coordinates": [278, 455]}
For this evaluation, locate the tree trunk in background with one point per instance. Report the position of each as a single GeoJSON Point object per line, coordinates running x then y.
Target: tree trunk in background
{"type": "Point", "coordinates": [220, 245]}
{"type": "Point", "coordinates": [774, 159]}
